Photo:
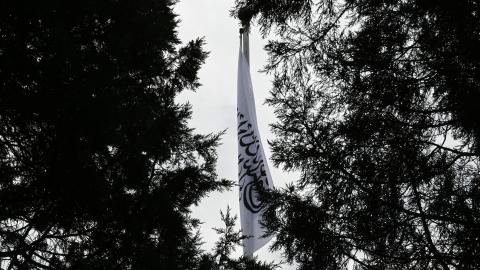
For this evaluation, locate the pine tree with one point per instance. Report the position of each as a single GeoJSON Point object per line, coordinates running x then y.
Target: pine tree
{"type": "Point", "coordinates": [98, 168]}
{"type": "Point", "coordinates": [378, 108]}
{"type": "Point", "coordinates": [229, 240]}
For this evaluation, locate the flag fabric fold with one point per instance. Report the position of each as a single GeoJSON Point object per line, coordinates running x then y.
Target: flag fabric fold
{"type": "Point", "coordinates": [252, 164]}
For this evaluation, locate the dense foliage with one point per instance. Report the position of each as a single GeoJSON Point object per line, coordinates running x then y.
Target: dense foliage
{"type": "Point", "coordinates": [229, 240]}
{"type": "Point", "coordinates": [378, 105]}
{"type": "Point", "coordinates": [98, 167]}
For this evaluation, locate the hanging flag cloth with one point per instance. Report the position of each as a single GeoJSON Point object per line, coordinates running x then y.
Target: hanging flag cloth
{"type": "Point", "coordinates": [252, 165]}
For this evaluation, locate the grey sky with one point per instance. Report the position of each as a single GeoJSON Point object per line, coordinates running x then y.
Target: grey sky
{"type": "Point", "coordinates": [214, 103]}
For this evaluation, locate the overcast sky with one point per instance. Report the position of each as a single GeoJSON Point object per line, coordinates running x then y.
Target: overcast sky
{"type": "Point", "coordinates": [214, 103]}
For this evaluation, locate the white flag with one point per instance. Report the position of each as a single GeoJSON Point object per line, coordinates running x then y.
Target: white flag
{"type": "Point", "coordinates": [252, 164]}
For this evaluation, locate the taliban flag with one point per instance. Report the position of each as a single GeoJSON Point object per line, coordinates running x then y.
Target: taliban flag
{"type": "Point", "coordinates": [252, 165]}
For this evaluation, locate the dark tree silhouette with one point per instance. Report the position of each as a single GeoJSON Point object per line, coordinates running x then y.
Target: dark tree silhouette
{"type": "Point", "coordinates": [378, 105]}
{"type": "Point", "coordinates": [229, 240]}
{"type": "Point", "coordinates": [98, 167]}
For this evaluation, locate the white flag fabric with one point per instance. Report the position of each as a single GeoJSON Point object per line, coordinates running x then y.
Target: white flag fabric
{"type": "Point", "coordinates": [252, 164]}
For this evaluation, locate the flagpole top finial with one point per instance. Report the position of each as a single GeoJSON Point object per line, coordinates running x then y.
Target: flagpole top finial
{"type": "Point", "coordinates": [243, 29]}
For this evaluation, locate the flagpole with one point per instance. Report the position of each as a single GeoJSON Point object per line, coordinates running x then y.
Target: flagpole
{"type": "Point", "coordinates": [244, 33]}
